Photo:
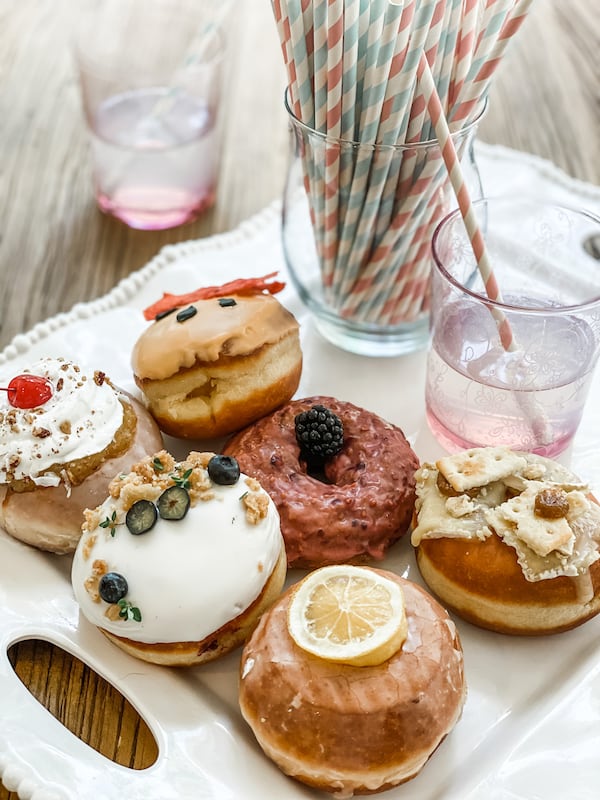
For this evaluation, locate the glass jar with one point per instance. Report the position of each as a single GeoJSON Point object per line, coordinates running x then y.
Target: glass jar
{"type": "Point", "coordinates": [357, 226]}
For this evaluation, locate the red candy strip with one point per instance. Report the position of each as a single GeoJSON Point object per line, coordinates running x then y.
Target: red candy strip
{"type": "Point", "coordinates": [241, 286]}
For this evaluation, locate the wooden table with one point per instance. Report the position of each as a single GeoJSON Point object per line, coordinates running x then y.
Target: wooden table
{"type": "Point", "coordinates": [56, 249]}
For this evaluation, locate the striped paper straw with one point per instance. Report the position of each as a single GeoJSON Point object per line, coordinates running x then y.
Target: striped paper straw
{"type": "Point", "coordinates": [359, 222]}
{"type": "Point", "coordinates": [484, 65]}
{"type": "Point", "coordinates": [335, 55]}
{"type": "Point", "coordinates": [284, 33]}
{"type": "Point", "coordinates": [463, 53]}
{"type": "Point", "coordinates": [301, 43]}
{"type": "Point", "coordinates": [418, 115]}
{"type": "Point", "coordinates": [445, 60]}
{"type": "Point", "coordinates": [352, 76]}
{"type": "Point", "coordinates": [362, 165]}
{"type": "Point", "coordinates": [320, 63]}
{"type": "Point", "coordinates": [533, 413]}
{"type": "Point", "coordinates": [356, 18]}
{"type": "Point", "coordinates": [465, 205]}
{"type": "Point", "coordinates": [371, 184]}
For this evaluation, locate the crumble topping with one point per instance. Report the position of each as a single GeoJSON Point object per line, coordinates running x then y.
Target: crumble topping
{"type": "Point", "coordinates": [533, 504]}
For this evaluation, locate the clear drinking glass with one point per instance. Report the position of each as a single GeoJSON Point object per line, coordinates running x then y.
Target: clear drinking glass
{"type": "Point", "coordinates": [357, 226]}
{"type": "Point", "coordinates": [151, 80]}
{"type": "Point", "coordinates": [481, 389]}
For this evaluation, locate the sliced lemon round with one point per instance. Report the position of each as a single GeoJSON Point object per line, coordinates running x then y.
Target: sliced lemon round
{"type": "Point", "coordinates": [352, 615]}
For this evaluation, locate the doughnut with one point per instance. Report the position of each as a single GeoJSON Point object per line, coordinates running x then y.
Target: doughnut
{"type": "Point", "coordinates": [353, 729]}
{"type": "Point", "coordinates": [177, 564]}
{"type": "Point", "coordinates": [60, 450]}
{"type": "Point", "coordinates": [216, 365]}
{"type": "Point", "coordinates": [508, 541]}
{"type": "Point", "coordinates": [355, 505]}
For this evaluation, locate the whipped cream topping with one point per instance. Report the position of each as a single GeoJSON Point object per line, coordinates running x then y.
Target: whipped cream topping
{"type": "Point", "coordinates": [79, 420]}
{"type": "Point", "coordinates": [186, 577]}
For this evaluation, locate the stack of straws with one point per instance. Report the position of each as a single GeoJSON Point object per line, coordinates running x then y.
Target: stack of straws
{"type": "Point", "coordinates": [355, 74]}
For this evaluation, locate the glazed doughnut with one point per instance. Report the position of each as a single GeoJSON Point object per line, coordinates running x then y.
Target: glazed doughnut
{"type": "Point", "coordinates": [347, 729]}
{"type": "Point", "coordinates": [509, 541]}
{"type": "Point", "coordinates": [57, 459]}
{"type": "Point", "coordinates": [216, 365]}
{"type": "Point", "coordinates": [197, 555]}
{"type": "Point", "coordinates": [363, 504]}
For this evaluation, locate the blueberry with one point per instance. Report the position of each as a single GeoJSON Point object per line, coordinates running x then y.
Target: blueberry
{"type": "Point", "coordinates": [224, 470]}
{"type": "Point", "coordinates": [173, 503]}
{"type": "Point", "coordinates": [141, 517]}
{"type": "Point", "coordinates": [112, 587]}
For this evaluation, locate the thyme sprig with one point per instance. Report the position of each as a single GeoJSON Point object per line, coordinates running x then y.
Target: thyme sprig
{"type": "Point", "coordinates": [110, 522]}
{"type": "Point", "coordinates": [182, 480]}
{"type": "Point", "coordinates": [128, 611]}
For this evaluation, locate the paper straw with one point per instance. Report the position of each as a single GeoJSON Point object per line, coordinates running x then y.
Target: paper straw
{"type": "Point", "coordinates": [335, 54]}
{"type": "Point", "coordinates": [459, 185]}
{"type": "Point", "coordinates": [400, 85]}
{"type": "Point", "coordinates": [283, 30]}
{"type": "Point", "coordinates": [463, 53]}
{"type": "Point", "coordinates": [320, 63]}
{"type": "Point", "coordinates": [356, 192]}
{"type": "Point", "coordinates": [445, 60]}
{"type": "Point", "coordinates": [370, 184]}
{"type": "Point", "coordinates": [352, 74]}
{"type": "Point", "coordinates": [300, 41]}
{"type": "Point", "coordinates": [359, 220]}
{"type": "Point", "coordinates": [430, 44]}
{"type": "Point", "coordinates": [356, 20]}
{"type": "Point", "coordinates": [192, 57]}
{"type": "Point", "coordinates": [378, 73]}
{"type": "Point", "coordinates": [535, 417]}
{"type": "Point", "coordinates": [484, 66]}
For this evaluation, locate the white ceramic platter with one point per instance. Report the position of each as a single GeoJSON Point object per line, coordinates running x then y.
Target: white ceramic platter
{"type": "Point", "coordinates": [531, 725]}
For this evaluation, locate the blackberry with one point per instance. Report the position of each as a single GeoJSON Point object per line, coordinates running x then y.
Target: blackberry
{"type": "Point", "coordinates": [319, 432]}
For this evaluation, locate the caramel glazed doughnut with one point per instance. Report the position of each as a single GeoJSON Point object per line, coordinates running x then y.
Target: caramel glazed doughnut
{"type": "Point", "coordinates": [354, 730]}
{"type": "Point", "coordinates": [211, 368]}
{"type": "Point", "coordinates": [367, 500]}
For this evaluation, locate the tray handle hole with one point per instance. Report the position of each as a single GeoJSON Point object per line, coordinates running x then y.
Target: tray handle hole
{"type": "Point", "coordinates": [107, 722]}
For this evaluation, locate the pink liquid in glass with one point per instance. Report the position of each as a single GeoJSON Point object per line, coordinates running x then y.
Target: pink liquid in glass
{"type": "Point", "coordinates": [477, 394]}
{"type": "Point", "coordinates": [155, 158]}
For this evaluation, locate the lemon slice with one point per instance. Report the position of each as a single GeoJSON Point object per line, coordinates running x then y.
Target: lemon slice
{"type": "Point", "coordinates": [352, 615]}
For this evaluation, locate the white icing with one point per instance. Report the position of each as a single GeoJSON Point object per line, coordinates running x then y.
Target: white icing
{"type": "Point", "coordinates": [187, 577]}
{"type": "Point", "coordinates": [92, 412]}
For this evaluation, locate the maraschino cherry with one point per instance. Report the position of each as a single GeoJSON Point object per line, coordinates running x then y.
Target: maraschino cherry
{"type": "Point", "coordinates": [28, 391]}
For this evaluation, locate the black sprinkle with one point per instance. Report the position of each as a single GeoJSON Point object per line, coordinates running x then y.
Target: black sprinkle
{"type": "Point", "coordinates": [163, 314]}
{"type": "Point", "coordinates": [225, 302]}
{"type": "Point", "coordinates": [187, 313]}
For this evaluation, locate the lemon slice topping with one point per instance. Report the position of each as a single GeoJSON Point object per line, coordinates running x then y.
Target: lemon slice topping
{"type": "Point", "coordinates": [352, 615]}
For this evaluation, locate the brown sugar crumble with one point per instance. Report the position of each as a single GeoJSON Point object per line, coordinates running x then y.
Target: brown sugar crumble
{"type": "Point", "coordinates": [150, 477]}
{"type": "Point", "coordinates": [99, 568]}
